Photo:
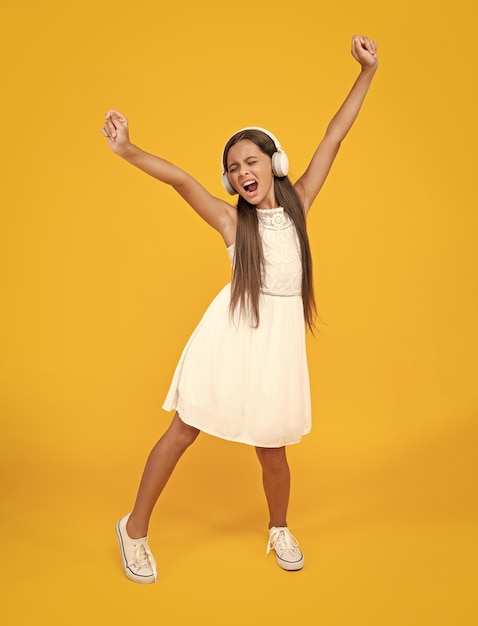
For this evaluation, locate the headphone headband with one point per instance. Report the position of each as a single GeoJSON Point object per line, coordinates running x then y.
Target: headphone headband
{"type": "Point", "coordinates": [263, 130]}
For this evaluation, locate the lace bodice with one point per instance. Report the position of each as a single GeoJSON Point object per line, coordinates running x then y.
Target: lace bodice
{"type": "Point", "coordinates": [282, 262]}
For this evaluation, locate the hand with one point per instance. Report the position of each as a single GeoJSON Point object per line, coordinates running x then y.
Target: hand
{"type": "Point", "coordinates": [364, 50]}
{"type": "Point", "coordinates": [115, 129]}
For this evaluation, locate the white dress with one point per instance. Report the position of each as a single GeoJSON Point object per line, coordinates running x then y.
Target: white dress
{"type": "Point", "coordinates": [248, 384]}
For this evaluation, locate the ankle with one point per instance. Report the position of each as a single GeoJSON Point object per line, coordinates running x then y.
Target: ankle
{"type": "Point", "coordinates": [135, 530]}
{"type": "Point", "coordinates": [278, 524]}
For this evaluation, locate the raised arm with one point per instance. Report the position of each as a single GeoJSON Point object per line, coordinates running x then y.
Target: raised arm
{"type": "Point", "coordinates": [309, 184]}
{"type": "Point", "coordinates": [217, 213]}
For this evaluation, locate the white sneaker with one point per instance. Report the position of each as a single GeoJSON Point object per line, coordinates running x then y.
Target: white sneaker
{"type": "Point", "coordinates": [138, 562]}
{"type": "Point", "coordinates": [285, 545]}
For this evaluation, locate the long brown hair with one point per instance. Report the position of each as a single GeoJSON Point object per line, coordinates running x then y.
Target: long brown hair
{"type": "Point", "coordinates": [248, 255]}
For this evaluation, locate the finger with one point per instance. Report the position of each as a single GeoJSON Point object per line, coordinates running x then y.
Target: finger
{"type": "Point", "coordinates": [117, 118]}
{"type": "Point", "coordinates": [356, 42]}
{"type": "Point", "coordinates": [106, 133]}
{"type": "Point", "coordinates": [110, 128]}
{"type": "Point", "coordinates": [367, 44]}
{"type": "Point", "coordinates": [371, 47]}
{"type": "Point", "coordinates": [360, 45]}
{"type": "Point", "coordinates": [111, 112]}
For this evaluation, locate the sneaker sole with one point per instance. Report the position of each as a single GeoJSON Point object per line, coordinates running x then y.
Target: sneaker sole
{"type": "Point", "coordinates": [142, 580]}
{"type": "Point", "coordinates": [290, 567]}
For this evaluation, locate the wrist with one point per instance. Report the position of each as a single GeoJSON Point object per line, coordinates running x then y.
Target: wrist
{"type": "Point", "coordinates": [126, 151]}
{"type": "Point", "coordinates": [369, 70]}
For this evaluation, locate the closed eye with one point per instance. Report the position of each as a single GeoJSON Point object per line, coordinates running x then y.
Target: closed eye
{"type": "Point", "coordinates": [233, 168]}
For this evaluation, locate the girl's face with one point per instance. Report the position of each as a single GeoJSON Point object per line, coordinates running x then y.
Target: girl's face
{"type": "Point", "coordinates": [250, 173]}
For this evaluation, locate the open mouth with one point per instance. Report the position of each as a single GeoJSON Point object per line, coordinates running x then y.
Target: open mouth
{"type": "Point", "coordinates": [250, 186]}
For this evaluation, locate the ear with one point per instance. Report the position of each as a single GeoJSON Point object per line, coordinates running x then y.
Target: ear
{"type": "Point", "coordinates": [280, 164]}
{"type": "Point", "coordinates": [227, 184]}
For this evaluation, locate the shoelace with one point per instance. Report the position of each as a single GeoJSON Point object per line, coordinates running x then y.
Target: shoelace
{"type": "Point", "coordinates": [281, 539]}
{"type": "Point", "coordinates": [144, 558]}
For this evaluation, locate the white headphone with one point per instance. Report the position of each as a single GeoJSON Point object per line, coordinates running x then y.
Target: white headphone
{"type": "Point", "coordinates": [280, 162]}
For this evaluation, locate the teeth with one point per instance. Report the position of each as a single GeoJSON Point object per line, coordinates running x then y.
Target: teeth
{"type": "Point", "coordinates": [249, 182]}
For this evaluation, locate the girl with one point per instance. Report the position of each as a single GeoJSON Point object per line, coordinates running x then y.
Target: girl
{"type": "Point", "coordinates": [243, 374]}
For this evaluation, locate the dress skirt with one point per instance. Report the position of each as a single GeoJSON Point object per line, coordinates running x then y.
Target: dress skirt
{"type": "Point", "coordinates": [244, 383]}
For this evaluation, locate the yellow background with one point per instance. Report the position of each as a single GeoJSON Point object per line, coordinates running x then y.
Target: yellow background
{"type": "Point", "coordinates": [105, 274]}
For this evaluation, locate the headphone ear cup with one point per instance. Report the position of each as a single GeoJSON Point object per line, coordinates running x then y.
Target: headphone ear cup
{"type": "Point", "coordinates": [227, 185]}
{"type": "Point", "coordinates": [280, 164]}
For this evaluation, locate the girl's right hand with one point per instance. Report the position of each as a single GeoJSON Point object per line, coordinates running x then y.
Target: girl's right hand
{"type": "Point", "coordinates": [364, 50]}
{"type": "Point", "coordinates": [115, 129]}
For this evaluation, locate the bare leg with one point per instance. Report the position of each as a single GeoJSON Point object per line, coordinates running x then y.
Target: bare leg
{"type": "Point", "coordinates": [159, 467]}
{"type": "Point", "coordinates": [276, 481]}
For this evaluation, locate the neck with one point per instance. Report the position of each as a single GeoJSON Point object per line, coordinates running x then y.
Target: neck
{"type": "Point", "coordinates": [266, 205]}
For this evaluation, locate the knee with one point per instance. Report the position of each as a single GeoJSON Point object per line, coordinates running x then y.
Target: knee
{"type": "Point", "coordinates": [272, 459]}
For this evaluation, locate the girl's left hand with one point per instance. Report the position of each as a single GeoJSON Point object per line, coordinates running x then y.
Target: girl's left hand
{"type": "Point", "coordinates": [364, 50]}
{"type": "Point", "coordinates": [115, 130]}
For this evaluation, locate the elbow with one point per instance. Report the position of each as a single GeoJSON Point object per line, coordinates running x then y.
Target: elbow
{"type": "Point", "coordinates": [334, 138]}
{"type": "Point", "coordinates": [333, 141]}
{"type": "Point", "coordinates": [180, 180]}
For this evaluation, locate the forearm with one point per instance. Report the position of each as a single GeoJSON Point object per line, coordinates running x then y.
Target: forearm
{"type": "Point", "coordinates": [343, 120]}
{"type": "Point", "coordinates": [155, 166]}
